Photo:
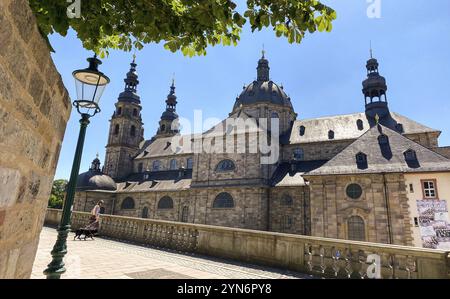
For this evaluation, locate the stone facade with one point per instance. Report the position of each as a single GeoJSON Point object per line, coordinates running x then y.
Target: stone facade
{"type": "Point", "coordinates": [236, 189]}
{"type": "Point", "coordinates": [34, 110]}
{"type": "Point", "coordinates": [383, 206]}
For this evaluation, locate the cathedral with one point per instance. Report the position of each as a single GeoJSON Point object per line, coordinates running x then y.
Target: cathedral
{"type": "Point", "coordinates": [373, 176]}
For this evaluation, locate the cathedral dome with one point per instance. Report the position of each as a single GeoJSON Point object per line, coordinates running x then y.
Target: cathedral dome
{"type": "Point", "coordinates": [263, 92]}
{"type": "Point", "coordinates": [95, 179]}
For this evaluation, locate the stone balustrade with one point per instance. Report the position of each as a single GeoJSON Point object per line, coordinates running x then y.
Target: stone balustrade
{"type": "Point", "coordinates": [332, 258]}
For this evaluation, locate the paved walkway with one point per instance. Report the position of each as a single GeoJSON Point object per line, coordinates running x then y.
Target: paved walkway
{"type": "Point", "coordinates": [105, 258]}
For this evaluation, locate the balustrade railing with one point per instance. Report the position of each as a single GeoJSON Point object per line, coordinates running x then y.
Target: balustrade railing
{"type": "Point", "coordinates": [330, 258]}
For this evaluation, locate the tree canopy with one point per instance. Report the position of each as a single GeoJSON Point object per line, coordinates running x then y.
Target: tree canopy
{"type": "Point", "coordinates": [186, 25]}
{"type": "Point", "coordinates": [57, 195]}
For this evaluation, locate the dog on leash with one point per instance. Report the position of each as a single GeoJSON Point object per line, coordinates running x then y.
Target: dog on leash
{"type": "Point", "coordinates": [88, 233]}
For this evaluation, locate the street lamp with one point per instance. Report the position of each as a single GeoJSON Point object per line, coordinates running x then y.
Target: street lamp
{"type": "Point", "coordinates": [90, 84]}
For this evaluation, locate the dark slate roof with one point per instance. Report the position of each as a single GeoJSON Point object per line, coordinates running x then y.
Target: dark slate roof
{"type": "Point", "coordinates": [159, 147]}
{"type": "Point", "coordinates": [291, 174]}
{"type": "Point", "coordinates": [263, 92]}
{"type": "Point", "coordinates": [345, 127]}
{"type": "Point", "coordinates": [169, 180]}
{"type": "Point", "coordinates": [381, 158]}
{"type": "Point", "coordinates": [221, 128]}
{"type": "Point", "coordinates": [95, 180]}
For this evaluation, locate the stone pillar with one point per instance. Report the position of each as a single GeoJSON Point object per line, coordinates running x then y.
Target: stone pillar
{"type": "Point", "coordinates": [34, 110]}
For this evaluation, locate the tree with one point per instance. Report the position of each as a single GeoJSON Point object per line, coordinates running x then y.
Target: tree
{"type": "Point", "coordinates": [189, 25]}
{"type": "Point", "coordinates": [57, 195]}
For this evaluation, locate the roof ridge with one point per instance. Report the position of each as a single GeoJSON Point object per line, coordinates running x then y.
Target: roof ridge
{"type": "Point", "coordinates": [329, 116]}
{"type": "Point", "coordinates": [409, 143]}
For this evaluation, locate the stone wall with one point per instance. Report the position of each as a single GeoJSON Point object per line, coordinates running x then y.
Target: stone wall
{"type": "Point", "coordinates": [429, 139]}
{"type": "Point", "coordinates": [444, 151]}
{"type": "Point", "coordinates": [317, 256]}
{"type": "Point", "coordinates": [249, 211]}
{"type": "Point", "coordinates": [250, 205]}
{"type": "Point", "coordinates": [331, 207]}
{"type": "Point", "coordinates": [34, 109]}
{"type": "Point", "coordinates": [293, 219]}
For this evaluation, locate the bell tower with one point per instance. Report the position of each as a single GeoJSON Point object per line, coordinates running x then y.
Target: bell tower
{"type": "Point", "coordinates": [168, 125]}
{"type": "Point", "coordinates": [126, 129]}
{"type": "Point", "coordinates": [374, 90]}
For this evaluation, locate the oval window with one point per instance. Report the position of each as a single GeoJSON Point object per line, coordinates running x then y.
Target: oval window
{"type": "Point", "coordinates": [354, 191]}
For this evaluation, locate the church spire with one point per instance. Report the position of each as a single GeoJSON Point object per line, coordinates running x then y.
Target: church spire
{"type": "Point", "coordinates": [131, 82]}
{"type": "Point", "coordinates": [167, 124]}
{"type": "Point", "coordinates": [126, 130]}
{"type": "Point", "coordinates": [374, 90]}
{"type": "Point", "coordinates": [263, 68]}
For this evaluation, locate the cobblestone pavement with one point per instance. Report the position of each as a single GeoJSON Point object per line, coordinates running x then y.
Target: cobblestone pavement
{"type": "Point", "coordinates": [106, 258]}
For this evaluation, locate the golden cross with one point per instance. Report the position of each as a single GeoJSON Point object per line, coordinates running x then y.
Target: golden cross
{"type": "Point", "coordinates": [377, 119]}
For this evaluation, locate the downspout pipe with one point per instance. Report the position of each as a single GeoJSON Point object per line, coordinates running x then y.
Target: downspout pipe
{"type": "Point", "coordinates": [388, 212]}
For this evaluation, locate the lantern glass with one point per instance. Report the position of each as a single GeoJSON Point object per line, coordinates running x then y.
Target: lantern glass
{"type": "Point", "coordinates": [88, 92]}
{"type": "Point", "coordinates": [90, 84]}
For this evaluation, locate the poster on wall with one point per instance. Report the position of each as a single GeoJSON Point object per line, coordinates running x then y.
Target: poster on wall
{"type": "Point", "coordinates": [434, 223]}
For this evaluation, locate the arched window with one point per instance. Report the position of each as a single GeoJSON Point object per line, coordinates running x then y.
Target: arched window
{"type": "Point", "coordinates": [145, 212]}
{"type": "Point", "coordinates": [275, 115]}
{"type": "Point", "coordinates": [330, 134]}
{"type": "Point", "coordinates": [163, 128]}
{"type": "Point", "coordinates": [165, 202]}
{"type": "Point", "coordinates": [354, 191]}
{"type": "Point", "coordinates": [399, 128]}
{"type": "Point", "coordinates": [286, 200]}
{"type": "Point", "coordinates": [127, 203]}
{"type": "Point", "coordinates": [185, 214]}
{"type": "Point", "coordinates": [173, 164]}
{"type": "Point", "coordinates": [116, 130]}
{"type": "Point", "coordinates": [360, 124]}
{"type": "Point", "coordinates": [356, 229]}
{"type": "Point", "coordinates": [298, 154]}
{"type": "Point", "coordinates": [119, 111]}
{"type": "Point", "coordinates": [189, 163]}
{"type": "Point", "coordinates": [156, 165]}
{"type": "Point", "coordinates": [225, 165]}
{"type": "Point", "coordinates": [223, 200]}
{"type": "Point", "coordinates": [134, 112]}
{"type": "Point", "coordinates": [140, 166]}
{"type": "Point", "coordinates": [133, 131]}
{"type": "Point", "coordinates": [302, 130]}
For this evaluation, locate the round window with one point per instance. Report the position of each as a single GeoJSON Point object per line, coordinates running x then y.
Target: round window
{"type": "Point", "coordinates": [354, 191]}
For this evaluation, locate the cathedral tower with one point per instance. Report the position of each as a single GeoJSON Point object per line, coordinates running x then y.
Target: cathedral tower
{"type": "Point", "coordinates": [374, 90]}
{"type": "Point", "coordinates": [126, 129]}
{"type": "Point", "coordinates": [168, 125]}
{"type": "Point", "coordinates": [263, 98]}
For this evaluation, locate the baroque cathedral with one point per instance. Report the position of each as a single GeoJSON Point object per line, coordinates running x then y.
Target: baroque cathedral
{"type": "Point", "coordinates": [357, 176]}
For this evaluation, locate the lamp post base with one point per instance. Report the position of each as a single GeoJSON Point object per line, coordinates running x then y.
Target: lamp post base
{"type": "Point", "coordinates": [56, 268]}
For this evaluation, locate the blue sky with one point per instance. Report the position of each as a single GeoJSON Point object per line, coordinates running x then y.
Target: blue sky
{"type": "Point", "coordinates": [322, 75]}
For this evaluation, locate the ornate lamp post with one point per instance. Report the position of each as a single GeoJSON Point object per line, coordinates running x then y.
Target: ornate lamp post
{"type": "Point", "coordinates": [90, 84]}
